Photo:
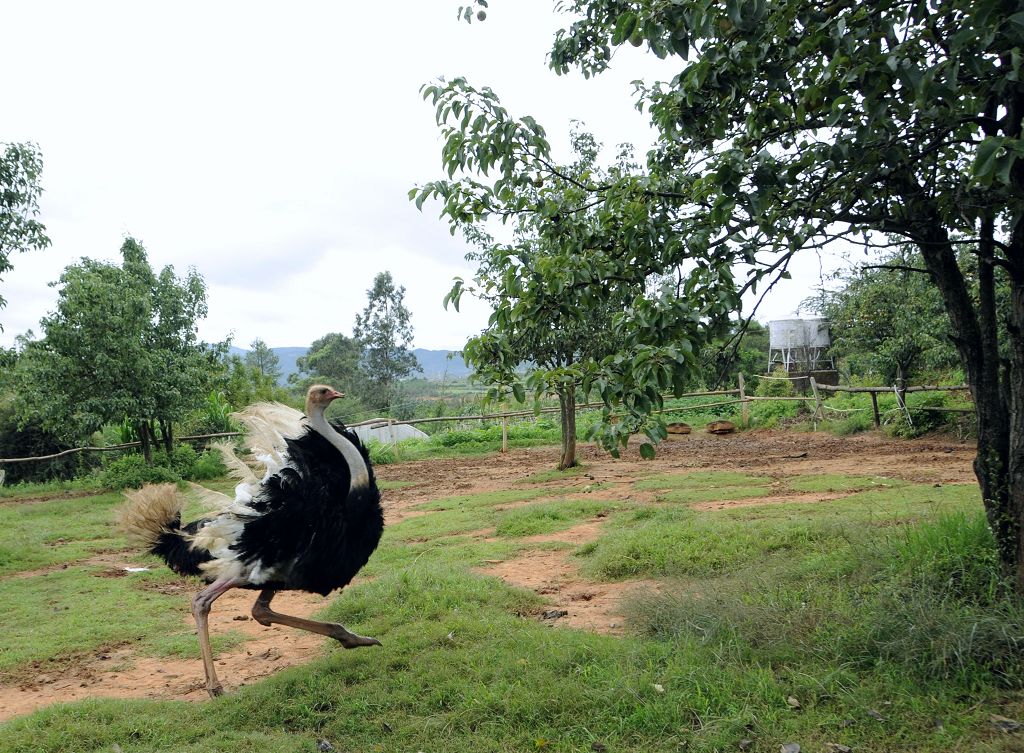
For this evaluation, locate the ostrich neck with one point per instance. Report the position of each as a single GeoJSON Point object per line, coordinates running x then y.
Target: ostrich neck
{"type": "Point", "coordinates": [359, 472]}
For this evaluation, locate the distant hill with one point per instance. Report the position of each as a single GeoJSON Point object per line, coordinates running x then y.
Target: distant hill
{"type": "Point", "coordinates": [436, 364]}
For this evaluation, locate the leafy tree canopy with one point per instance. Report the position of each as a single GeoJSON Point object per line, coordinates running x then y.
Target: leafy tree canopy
{"type": "Point", "coordinates": [20, 168]}
{"type": "Point", "coordinates": [334, 359]}
{"type": "Point", "coordinates": [888, 320]}
{"type": "Point", "coordinates": [122, 344]}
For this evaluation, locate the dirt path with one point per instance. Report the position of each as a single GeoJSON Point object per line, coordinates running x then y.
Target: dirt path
{"type": "Point", "coordinates": [120, 672]}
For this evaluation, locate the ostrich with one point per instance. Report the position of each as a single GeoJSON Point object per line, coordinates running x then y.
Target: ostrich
{"type": "Point", "coordinates": [310, 524]}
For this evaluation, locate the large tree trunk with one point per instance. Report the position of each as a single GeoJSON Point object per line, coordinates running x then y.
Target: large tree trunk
{"type": "Point", "coordinates": [567, 404]}
{"type": "Point", "coordinates": [999, 407]}
{"type": "Point", "coordinates": [1014, 400]}
{"type": "Point", "coordinates": [167, 434]}
{"type": "Point", "coordinates": [147, 448]}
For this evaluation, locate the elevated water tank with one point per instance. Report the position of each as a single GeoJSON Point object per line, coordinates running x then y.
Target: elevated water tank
{"type": "Point", "coordinates": [799, 344]}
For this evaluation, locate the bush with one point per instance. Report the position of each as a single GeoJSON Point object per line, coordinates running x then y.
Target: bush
{"type": "Point", "coordinates": [132, 472]}
{"type": "Point", "coordinates": [778, 386]}
{"type": "Point", "coordinates": [207, 466]}
{"type": "Point", "coordinates": [29, 441]}
{"type": "Point", "coordinates": [923, 421]}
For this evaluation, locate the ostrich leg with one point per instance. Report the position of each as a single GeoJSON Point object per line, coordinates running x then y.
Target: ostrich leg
{"type": "Point", "coordinates": [201, 604]}
{"type": "Point", "coordinates": [263, 614]}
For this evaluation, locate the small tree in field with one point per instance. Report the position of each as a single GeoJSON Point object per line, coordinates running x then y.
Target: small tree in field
{"type": "Point", "coordinates": [335, 359]}
{"type": "Point", "coordinates": [560, 344]}
{"type": "Point", "coordinates": [384, 331]}
{"type": "Point", "coordinates": [264, 360]}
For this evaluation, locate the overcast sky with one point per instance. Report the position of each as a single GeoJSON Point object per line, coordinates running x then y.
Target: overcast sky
{"type": "Point", "coordinates": [272, 145]}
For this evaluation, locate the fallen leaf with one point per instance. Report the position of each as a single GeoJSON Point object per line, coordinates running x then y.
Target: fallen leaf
{"type": "Point", "coordinates": [598, 747]}
{"type": "Point", "coordinates": [838, 748]}
{"type": "Point", "coordinates": [746, 744]}
{"type": "Point", "coordinates": [658, 688]}
{"type": "Point", "coordinates": [324, 746]}
{"type": "Point", "coordinates": [876, 715]}
{"type": "Point", "coordinates": [553, 614]}
{"type": "Point", "coordinates": [790, 748]}
{"type": "Point", "coordinates": [793, 702]}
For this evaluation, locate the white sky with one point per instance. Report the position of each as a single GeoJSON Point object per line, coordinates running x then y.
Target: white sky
{"type": "Point", "coordinates": [272, 145]}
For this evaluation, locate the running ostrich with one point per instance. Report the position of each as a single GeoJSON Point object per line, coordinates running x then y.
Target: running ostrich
{"type": "Point", "coordinates": [310, 524]}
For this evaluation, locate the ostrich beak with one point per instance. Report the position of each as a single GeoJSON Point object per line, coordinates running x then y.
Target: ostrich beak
{"type": "Point", "coordinates": [334, 394]}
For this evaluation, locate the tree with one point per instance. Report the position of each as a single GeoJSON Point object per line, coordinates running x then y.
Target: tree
{"type": "Point", "coordinates": [560, 344]}
{"type": "Point", "coordinates": [122, 344]}
{"type": "Point", "coordinates": [384, 333]}
{"type": "Point", "coordinates": [334, 359]}
{"type": "Point", "coordinates": [20, 168]}
{"type": "Point", "coordinates": [264, 360]}
{"type": "Point", "coordinates": [793, 124]}
{"type": "Point", "coordinates": [890, 320]}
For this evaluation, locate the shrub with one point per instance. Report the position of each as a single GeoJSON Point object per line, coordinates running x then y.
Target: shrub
{"type": "Point", "coordinates": [921, 421]}
{"type": "Point", "coordinates": [208, 465]}
{"type": "Point", "coordinates": [778, 386]}
{"type": "Point", "coordinates": [132, 472]}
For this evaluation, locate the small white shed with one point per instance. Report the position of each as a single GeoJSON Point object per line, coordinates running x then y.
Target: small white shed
{"type": "Point", "coordinates": [380, 431]}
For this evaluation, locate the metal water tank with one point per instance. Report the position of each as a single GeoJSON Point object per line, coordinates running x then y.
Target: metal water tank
{"type": "Point", "coordinates": [798, 344]}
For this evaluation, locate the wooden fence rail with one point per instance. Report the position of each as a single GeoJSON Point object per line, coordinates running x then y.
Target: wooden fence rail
{"type": "Point", "coordinates": [743, 399]}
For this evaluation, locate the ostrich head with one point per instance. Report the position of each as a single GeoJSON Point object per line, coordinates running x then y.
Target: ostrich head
{"type": "Point", "coordinates": [319, 397]}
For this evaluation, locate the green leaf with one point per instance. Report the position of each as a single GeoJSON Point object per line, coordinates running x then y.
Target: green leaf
{"type": "Point", "coordinates": [985, 159]}
{"type": "Point", "coordinates": [647, 451]}
{"type": "Point", "coordinates": [518, 392]}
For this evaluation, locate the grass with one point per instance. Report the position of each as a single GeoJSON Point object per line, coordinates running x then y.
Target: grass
{"type": "Point", "coordinates": [879, 612]}
{"type": "Point", "coordinates": [829, 482]}
{"type": "Point", "coordinates": [531, 520]}
{"type": "Point", "coordinates": [68, 612]}
{"type": "Point", "coordinates": [40, 534]}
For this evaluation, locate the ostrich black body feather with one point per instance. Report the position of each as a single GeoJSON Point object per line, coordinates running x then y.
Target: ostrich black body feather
{"type": "Point", "coordinates": [306, 530]}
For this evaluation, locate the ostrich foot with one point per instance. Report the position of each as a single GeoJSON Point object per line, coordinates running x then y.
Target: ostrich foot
{"type": "Point", "coordinates": [349, 639]}
{"type": "Point", "coordinates": [264, 615]}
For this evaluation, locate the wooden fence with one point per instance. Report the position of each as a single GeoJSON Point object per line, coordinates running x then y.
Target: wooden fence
{"type": "Point", "coordinates": [739, 395]}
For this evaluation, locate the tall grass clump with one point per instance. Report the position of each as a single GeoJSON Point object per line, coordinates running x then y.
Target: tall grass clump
{"type": "Point", "coordinates": [926, 601]}
{"type": "Point", "coordinates": [944, 608]}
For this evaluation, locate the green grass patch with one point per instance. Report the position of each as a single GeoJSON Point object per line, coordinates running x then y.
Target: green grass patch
{"type": "Point", "coordinates": [672, 542]}
{"type": "Point", "coordinates": [545, 477]}
{"type": "Point", "coordinates": [39, 534]}
{"type": "Point", "coordinates": [700, 480]}
{"type": "Point", "coordinates": [829, 482]}
{"type": "Point", "coordinates": [67, 612]}
{"type": "Point", "coordinates": [706, 486]}
{"type": "Point", "coordinates": [394, 484]}
{"type": "Point", "coordinates": [549, 517]}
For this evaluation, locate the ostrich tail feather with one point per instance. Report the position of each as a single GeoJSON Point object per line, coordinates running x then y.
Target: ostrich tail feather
{"type": "Point", "coordinates": [149, 513]}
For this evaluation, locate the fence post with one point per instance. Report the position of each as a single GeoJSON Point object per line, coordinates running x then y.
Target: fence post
{"type": "Point", "coordinates": [819, 412]}
{"type": "Point", "coordinates": [745, 406]}
{"type": "Point", "coordinates": [874, 408]}
{"type": "Point", "coordinates": [504, 433]}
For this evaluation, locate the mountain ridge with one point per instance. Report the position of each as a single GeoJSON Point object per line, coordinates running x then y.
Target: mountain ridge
{"type": "Point", "coordinates": [437, 364]}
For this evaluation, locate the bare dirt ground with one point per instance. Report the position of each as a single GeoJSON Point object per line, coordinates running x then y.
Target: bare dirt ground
{"type": "Point", "coordinates": [120, 672]}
